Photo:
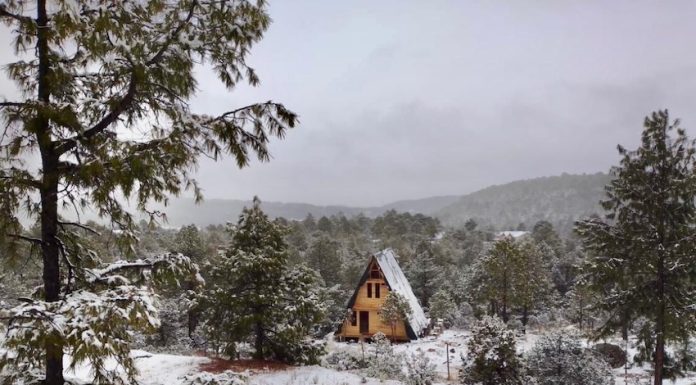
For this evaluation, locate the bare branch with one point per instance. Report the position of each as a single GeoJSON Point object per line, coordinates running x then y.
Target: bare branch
{"type": "Point", "coordinates": [27, 239]}
{"type": "Point", "coordinates": [12, 104]}
{"type": "Point", "coordinates": [80, 225]}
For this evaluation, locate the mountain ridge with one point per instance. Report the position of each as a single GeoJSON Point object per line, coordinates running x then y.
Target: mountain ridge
{"type": "Point", "coordinates": [559, 199]}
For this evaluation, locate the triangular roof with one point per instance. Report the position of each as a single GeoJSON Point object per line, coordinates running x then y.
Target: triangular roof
{"type": "Point", "coordinates": [397, 282]}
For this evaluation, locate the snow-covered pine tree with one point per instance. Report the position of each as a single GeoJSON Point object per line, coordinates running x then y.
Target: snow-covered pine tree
{"type": "Point", "coordinates": [254, 295]}
{"type": "Point", "coordinates": [491, 358]}
{"type": "Point", "coordinates": [188, 242]}
{"type": "Point", "coordinates": [493, 277]}
{"type": "Point", "coordinates": [642, 258]}
{"type": "Point", "coordinates": [324, 256]}
{"type": "Point", "coordinates": [558, 358]}
{"type": "Point", "coordinates": [423, 272]}
{"type": "Point", "coordinates": [543, 232]}
{"type": "Point", "coordinates": [385, 363]}
{"type": "Point", "coordinates": [90, 74]}
{"type": "Point", "coordinates": [443, 307]}
{"type": "Point", "coordinates": [395, 309]}
{"type": "Point", "coordinates": [93, 322]}
{"type": "Point", "coordinates": [531, 281]}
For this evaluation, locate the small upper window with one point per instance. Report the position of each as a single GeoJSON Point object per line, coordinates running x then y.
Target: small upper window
{"type": "Point", "coordinates": [369, 290]}
{"type": "Point", "coordinates": [377, 290]}
{"type": "Point", "coordinates": [375, 272]}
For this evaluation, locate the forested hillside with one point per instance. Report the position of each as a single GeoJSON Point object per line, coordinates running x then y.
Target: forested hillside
{"type": "Point", "coordinates": [558, 199]}
{"type": "Point", "coordinates": [209, 212]}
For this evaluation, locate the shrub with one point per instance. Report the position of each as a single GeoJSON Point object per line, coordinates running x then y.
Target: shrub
{"type": "Point", "coordinates": [558, 358]}
{"type": "Point", "coordinates": [343, 360]}
{"type": "Point", "coordinates": [224, 378]}
{"type": "Point", "coordinates": [419, 370]}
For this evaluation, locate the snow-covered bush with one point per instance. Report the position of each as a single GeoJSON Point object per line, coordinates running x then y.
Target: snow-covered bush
{"type": "Point", "coordinates": [384, 363]}
{"type": "Point", "coordinates": [465, 316]}
{"type": "Point", "coordinates": [342, 360]}
{"type": "Point", "coordinates": [516, 325]}
{"type": "Point", "coordinates": [225, 378]}
{"type": "Point", "coordinates": [419, 370]}
{"type": "Point", "coordinates": [491, 358]}
{"type": "Point", "coordinates": [559, 358]}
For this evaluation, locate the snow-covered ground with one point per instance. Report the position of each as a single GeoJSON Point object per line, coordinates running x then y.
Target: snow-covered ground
{"type": "Point", "coordinates": [163, 369]}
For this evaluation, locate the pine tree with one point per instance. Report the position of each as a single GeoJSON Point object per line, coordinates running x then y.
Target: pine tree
{"type": "Point", "coordinates": [491, 358]}
{"type": "Point", "coordinates": [442, 306]}
{"type": "Point", "coordinates": [324, 257]}
{"type": "Point", "coordinates": [543, 232]}
{"type": "Point", "coordinates": [92, 73]}
{"type": "Point", "coordinates": [423, 273]}
{"type": "Point", "coordinates": [642, 259]}
{"type": "Point", "coordinates": [188, 242]}
{"type": "Point", "coordinates": [385, 364]}
{"type": "Point", "coordinates": [395, 309]}
{"type": "Point", "coordinates": [531, 281]}
{"type": "Point", "coordinates": [93, 322]}
{"type": "Point", "coordinates": [254, 295]}
{"type": "Point", "coordinates": [494, 277]}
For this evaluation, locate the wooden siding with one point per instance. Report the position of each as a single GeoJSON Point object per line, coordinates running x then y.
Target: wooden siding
{"type": "Point", "coordinates": [373, 306]}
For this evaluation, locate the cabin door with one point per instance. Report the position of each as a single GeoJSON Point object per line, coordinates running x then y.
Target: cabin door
{"type": "Point", "coordinates": [364, 322]}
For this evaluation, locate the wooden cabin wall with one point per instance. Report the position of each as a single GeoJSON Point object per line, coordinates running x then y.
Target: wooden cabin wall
{"type": "Point", "coordinates": [373, 305]}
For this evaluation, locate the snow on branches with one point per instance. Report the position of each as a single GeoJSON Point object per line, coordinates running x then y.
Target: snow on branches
{"type": "Point", "coordinates": [93, 324]}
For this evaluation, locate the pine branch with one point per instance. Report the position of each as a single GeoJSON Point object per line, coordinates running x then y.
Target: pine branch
{"type": "Point", "coordinates": [107, 120]}
{"type": "Point", "coordinates": [31, 240]}
{"type": "Point", "coordinates": [158, 56]}
{"type": "Point", "coordinates": [6, 14]}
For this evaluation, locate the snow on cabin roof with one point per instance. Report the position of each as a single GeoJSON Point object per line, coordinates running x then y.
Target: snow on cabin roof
{"type": "Point", "coordinates": [397, 282]}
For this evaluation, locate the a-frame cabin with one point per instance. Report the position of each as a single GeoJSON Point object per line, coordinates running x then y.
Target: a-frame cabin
{"type": "Point", "coordinates": [381, 276]}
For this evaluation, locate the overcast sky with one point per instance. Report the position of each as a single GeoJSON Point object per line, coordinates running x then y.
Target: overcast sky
{"type": "Point", "coordinates": [408, 99]}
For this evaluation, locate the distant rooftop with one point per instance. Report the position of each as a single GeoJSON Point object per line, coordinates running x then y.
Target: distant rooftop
{"type": "Point", "coordinates": [511, 233]}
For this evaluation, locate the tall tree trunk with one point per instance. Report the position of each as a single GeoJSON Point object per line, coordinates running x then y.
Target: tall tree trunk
{"type": "Point", "coordinates": [49, 195]}
{"type": "Point", "coordinates": [525, 318]}
{"type": "Point", "coordinates": [660, 323]}
{"type": "Point", "coordinates": [624, 325]}
{"type": "Point", "coordinates": [505, 289]}
{"type": "Point", "coordinates": [258, 343]}
{"type": "Point", "coordinates": [193, 314]}
{"type": "Point", "coordinates": [581, 312]}
{"type": "Point", "coordinates": [51, 276]}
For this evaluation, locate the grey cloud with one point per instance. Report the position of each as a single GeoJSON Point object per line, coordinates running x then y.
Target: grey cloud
{"type": "Point", "coordinates": [405, 99]}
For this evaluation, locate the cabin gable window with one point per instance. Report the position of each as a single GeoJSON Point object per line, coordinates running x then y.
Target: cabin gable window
{"type": "Point", "coordinates": [377, 290]}
{"type": "Point", "coordinates": [375, 272]}
{"type": "Point", "coordinates": [369, 290]}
